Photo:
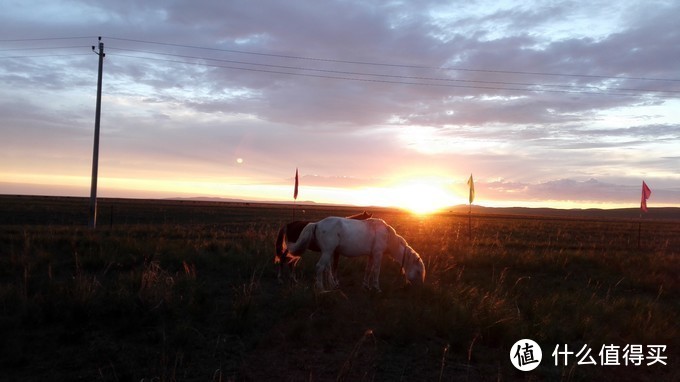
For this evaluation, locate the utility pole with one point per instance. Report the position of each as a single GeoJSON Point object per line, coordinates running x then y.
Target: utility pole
{"type": "Point", "coordinates": [95, 154]}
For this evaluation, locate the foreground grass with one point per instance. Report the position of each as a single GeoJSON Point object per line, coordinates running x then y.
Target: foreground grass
{"type": "Point", "coordinates": [201, 302]}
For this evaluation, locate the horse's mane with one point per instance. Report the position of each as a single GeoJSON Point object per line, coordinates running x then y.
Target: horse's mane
{"type": "Point", "coordinates": [362, 216]}
{"type": "Point", "coordinates": [395, 241]}
{"type": "Point", "coordinates": [294, 228]}
{"type": "Point", "coordinates": [393, 238]}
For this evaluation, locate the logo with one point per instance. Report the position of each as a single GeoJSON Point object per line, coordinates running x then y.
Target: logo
{"type": "Point", "coordinates": [526, 355]}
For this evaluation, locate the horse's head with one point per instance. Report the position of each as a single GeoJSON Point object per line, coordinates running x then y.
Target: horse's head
{"type": "Point", "coordinates": [280, 257]}
{"type": "Point", "coordinates": [414, 268]}
{"type": "Point", "coordinates": [286, 262]}
{"type": "Point", "coordinates": [279, 247]}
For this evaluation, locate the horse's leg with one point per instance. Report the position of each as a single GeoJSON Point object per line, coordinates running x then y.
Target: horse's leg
{"type": "Point", "coordinates": [375, 272]}
{"type": "Point", "coordinates": [322, 268]}
{"type": "Point", "coordinates": [292, 265]}
{"type": "Point", "coordinates": [332, 282]}
{"type": "Point", "coordinates": [334, 269]}
{"type": "Point", "coordinates": [375, 258]}
{"type": "Point", "coordinates": [330, 272]}
{"type": "Point", "coordinates": [319, 275]}
{"type": "Point", "coordinates": [367, 273]}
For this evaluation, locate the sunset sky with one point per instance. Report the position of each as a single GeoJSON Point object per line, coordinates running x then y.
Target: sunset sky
{"type": "Point", "coordinates": [547, 103]}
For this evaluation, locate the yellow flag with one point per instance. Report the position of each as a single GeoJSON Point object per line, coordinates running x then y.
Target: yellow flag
{"type": "Point", "coordinates": [471, 184]}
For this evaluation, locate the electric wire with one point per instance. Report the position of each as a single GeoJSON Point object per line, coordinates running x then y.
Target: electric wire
{"type": "Point", "coordinates": [44, 48]}
{"type": "Point", "coordinates": [48, 55]}
{"type": "Point", "coordinates": [391, 64]}
{"type": "Point", "coordinates": [37, 48]}
{"type": "Point", "coordinates": [351, 75]}
{"type": "Point", "coordinates": [402, 80]}
{"type": "Point", "coordinates": [46, 39]}
{"type": "Point", "coordinates": [594, 89]}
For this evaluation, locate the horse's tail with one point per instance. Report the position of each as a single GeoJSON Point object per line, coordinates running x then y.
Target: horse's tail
{"type": "Point", "coordinates": [278, 247]}
{"type": "Point", "coordinates": [299, 247]}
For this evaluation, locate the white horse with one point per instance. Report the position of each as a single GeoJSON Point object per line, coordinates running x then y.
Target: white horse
{"type": "Point", "coordinates": [352, 238]}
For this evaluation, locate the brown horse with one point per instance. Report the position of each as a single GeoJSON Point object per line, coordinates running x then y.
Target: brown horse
{"type": "Point", "coordinates": [290, 233]}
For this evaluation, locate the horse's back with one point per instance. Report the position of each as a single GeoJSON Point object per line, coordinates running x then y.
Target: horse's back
{"type": "Point", "coordinates": [345, 225]}
{"type": "Point", "coordinates": [350, 237]}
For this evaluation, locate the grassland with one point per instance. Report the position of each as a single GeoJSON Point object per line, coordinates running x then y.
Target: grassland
{"type": "Point", "coordinates": [187, 291]}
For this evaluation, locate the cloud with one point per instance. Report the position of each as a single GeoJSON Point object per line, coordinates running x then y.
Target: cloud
{"type": "Point", "coordinates": [388, 34]}
{"type": "Point", "coordinates": [337, 181]}
{"type": "Point", "coordinates": [587, 191]}
{"type": "Point", "coordinates": [543, 94]}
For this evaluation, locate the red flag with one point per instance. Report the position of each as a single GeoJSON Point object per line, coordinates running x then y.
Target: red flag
{"type": "Point", "coordinates": [295, 192]}
{"type": "Point", "coordinates": [646, 192]}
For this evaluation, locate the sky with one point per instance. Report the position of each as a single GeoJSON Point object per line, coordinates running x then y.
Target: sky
{"type": "Point", "coordinates": [567, 104]}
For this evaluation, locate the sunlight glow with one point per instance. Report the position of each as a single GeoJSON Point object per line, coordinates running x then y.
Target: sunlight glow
{"type": "Point", "coordinates": [422, 196]}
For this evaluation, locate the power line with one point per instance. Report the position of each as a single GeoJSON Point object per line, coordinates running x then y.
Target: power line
{"type": "Point", "coordinates": [401, 77]}
{"type": "Point", "coordinates": [48, 55]}
{"type": "Point", "coordinates": [354, 62]}
{"type": "Point", "coordinates": [44, 48]}
{"type": "Point", "coordinates": [392, 64]}
{"type": "Point", "coordinates": [349, 75]}
{"type": "Point", "coordinates": [46, 39]}
{"type": "Point", "coordinates": [395, 78]}
{"type": "Point", "coordinates": [38, 48]}
{"type": "Point", "coordinates": [380, 80]}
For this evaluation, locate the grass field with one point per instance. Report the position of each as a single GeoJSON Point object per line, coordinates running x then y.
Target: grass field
{"type": "Point", "coordinates": [187, 291]}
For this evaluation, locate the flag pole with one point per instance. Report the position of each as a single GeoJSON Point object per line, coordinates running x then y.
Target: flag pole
{"type": "Point", "coordinates": [471, 198]}
{"type": "Point", "coordinates": [639, 228]}
{"type": "Point", "coordinates": [646, 193]}
{"type": "Point", "coordinates": [470, 222]}
{"type": "Point", "coordinates": [295, 193]}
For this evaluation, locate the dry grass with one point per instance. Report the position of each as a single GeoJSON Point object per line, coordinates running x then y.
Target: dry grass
{"type": "Point", "coordinates": [195, 297]}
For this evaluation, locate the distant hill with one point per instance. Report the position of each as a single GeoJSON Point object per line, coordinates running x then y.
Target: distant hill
{"type": "Point", "coordinates": [660, 213]}
{"type": "Point", "coordinates": [25, 209]}
{"type": "Point", "coordinates": [235, 200]}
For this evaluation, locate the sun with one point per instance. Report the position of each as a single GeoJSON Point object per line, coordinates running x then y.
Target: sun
{"type": "Point", "coordinates": [422, 197]}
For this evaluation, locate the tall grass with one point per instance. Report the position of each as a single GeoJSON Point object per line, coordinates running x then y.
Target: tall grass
{"type": "Point", "coordinates": [177, 301]}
